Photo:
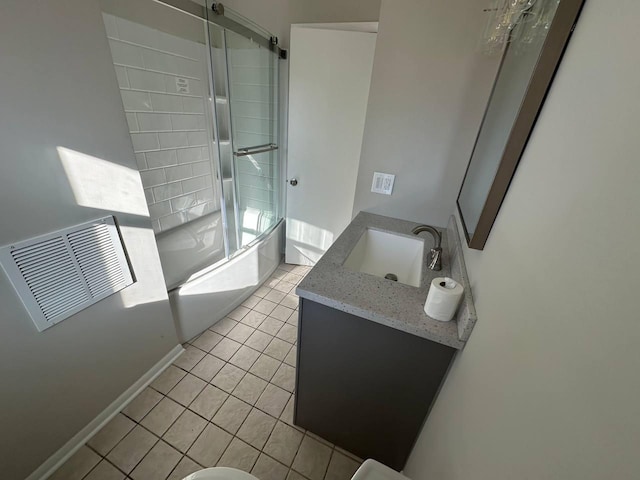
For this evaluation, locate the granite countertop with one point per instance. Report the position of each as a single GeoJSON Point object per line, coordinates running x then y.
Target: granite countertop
{"type": "Point", "coordinates": [383, 301]}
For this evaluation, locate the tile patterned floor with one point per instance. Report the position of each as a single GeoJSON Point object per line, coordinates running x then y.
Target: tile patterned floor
{"type": "Point", "coordinates": [226, 401]}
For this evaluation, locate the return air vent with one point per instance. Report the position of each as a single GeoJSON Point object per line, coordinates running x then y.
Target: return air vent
{"type": "Point", "coordinates": [61, 273]}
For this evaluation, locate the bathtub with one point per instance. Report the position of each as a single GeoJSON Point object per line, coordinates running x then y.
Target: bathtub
{"type": "Point", "coordinates": [212, 291]}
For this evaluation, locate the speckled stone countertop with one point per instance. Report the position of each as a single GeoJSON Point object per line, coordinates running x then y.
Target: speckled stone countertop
{"type": "Point", "coordinates": [383, 301]}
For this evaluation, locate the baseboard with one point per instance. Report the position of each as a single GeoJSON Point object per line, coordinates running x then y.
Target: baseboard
{"type": "Point", "coordinates": [78, 440]}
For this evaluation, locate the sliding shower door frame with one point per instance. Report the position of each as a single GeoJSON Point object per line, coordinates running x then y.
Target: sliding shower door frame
{"type": "Point", "coordinates": [217, 16]}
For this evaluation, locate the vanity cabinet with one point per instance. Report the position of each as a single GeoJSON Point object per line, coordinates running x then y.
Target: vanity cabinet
{"type": "Point", "coordinates": [365, 386]}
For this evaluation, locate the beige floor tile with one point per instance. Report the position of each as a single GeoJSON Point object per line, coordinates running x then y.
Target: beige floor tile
{"type": "Point", "coordinates": [258, 340]}
{"type": "Point", "coordinates": [301, 270]}
{"type": "Point", "coordinates": [189, 358]}
{"type": "Point", "coordinates": [271, 325]}
{"type": "Point", "coordinates": [295, 476]}
{"type": "Point", "coordinates": [273, 400]}
{"type": "Point", "coordinates": [226, 349]}
{"type": "Point", "coordinates": [320, 439]}
{"type": "Point", "coordinates": [158, 463]}
{"type": "Point", "coordinates": [223, 326]}
{"type": "Point", "coordinates": [265, 367]}
{"type": "Point", "coordinates": [271, 282]}
{"type": "Point", "coordinates": [78, 465]}
{"type": "Point", "coordinates": [109, 436]}
{"type": "Point", "coordinates": [231, 415]}
{"type": "Point", "coordinates": [288, 333]}
{"type": "Point", "coordinates": [293, 319]}
{"type": "Point", "coordinates": [209, 401]}
{"type": "Point", "coordinates": [228, 377]}
{"type": "Point", "coordinates": [168, 379]}
{"type": "Point", "coordinates": [239, 455]}
{"type": "Point", "coordinates": [287, 267]}
{"type": "Point", "coordinates": [285, 377]}
{"type": "Point", "coordinates": [239, 313]}
{"type": "Point", "coordinates": [275, 296]}
{"type": "Point", "coordinates": [262, 291]}
{"type": "Point", "coordinates": [210, 445]}
{"type": "Point", "coordinates": [290, 301]}
{"type": "Point", "coordinates": [341, 467]}
{"type": "Point", "coordinates": [208, 367]}
{"type": "Point", "coordinates": [292, 357]}
{"type": "Point", "coordinates": [162, 416]}
{"type": "Point", "coordinates": [142, 404]}
{"type": "Point", "coordinates": [253, 318]}
{"type": "Point", "coordinates": [185, 430]}
{"type": "Point", "coordinates": [279, 273]}
{"type": "Point", "coordinates": [187, 389]}
{"type": "Point", "coordinates": [132, 449]}
{"type": "Point", "coordinates": [105, 471]}
{"type": "Point", "coordinates": [240, 333]}
{"type": "Point", "coordinates": [283, 443]}
{"type": "Point", "coordinates": [287, 414]}
{"type": "Point", "coordinates": [292, 278]}
{"type": "Point", "coordinates": [349, 454]}
{"type": "Point", "coordinates": [282, 313]}
{"type": "Point", "coordinates": [185, 467]}
{"type": "Point", "coordinates": [245, 357]}
{"type": "Point", "coordinates": [207, 340]}
{"type": "Point", "coordinates": [266, 468]}
{"type": "Point", "coordinates": [251, 301]}
{"type": "Point", "coordinates": [256, 428]}
{"type": "Point", "coordinates": [250, 388]}
{"type": "Point", "coordinates": [284, 287]}
{"type": "Point", "coordinates": [312, 459]}
{"type": "Point", "coordinates": [278, 349]}
{"type": "Point", "coordinates": [265, 306]}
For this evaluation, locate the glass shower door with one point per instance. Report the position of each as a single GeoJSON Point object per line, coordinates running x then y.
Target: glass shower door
{"type": "Point", "coordinates": [253, 101]}
{"type": "Point", "coordinates": [247, 111]}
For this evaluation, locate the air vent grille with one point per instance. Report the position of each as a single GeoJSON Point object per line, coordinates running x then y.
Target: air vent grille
{"type": "Point", "coordinates": [59, 274]}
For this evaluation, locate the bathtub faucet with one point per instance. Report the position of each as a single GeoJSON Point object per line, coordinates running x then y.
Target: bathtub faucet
{"type": "Point", "coordinates": [435, 255]}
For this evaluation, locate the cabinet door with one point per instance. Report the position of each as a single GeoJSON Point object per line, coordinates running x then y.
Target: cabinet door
{"type": "Point", "coordinates": [364, 386]}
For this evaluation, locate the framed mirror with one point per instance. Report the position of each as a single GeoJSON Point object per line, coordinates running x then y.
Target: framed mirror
{"type": "Point", "coordinates": [529, 62]}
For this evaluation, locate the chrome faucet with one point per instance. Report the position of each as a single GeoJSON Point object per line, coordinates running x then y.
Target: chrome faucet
{"type": "Point", "coordinates": [435, 256]}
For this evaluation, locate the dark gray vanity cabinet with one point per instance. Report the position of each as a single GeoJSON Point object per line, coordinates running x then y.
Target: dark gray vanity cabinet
{"type": "Point", "coordinates": [364, 386]}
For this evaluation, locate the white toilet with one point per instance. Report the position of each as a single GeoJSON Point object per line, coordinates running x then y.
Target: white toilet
{"type": "Point", "coordinates": [220, 473]}
{"type": "Point", "coordinates": [369, 470]}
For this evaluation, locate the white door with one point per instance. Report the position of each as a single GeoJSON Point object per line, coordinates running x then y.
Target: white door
{"type": "Point", "coordinates": [329, 77]}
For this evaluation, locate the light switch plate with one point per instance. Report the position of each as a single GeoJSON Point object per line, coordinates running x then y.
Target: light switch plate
{"type": "Point", "coordinates": [382, 183]}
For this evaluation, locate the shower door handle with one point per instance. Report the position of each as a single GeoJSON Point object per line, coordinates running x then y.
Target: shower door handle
{"type": "Point", "coordinates": [244, 151]}
{"type": "Point", "coordinates": [293, 182]}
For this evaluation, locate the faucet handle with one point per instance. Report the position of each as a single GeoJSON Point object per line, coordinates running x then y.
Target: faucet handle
{"type": "Point", "coordinates": [435, 260]}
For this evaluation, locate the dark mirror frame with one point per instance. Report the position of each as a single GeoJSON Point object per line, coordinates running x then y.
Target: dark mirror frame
{"type": "Point", "coordinates": [554, 46]}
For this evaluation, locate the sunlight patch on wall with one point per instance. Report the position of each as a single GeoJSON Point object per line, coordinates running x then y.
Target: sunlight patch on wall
{"type": "Point", "coordinates": [98, 183]}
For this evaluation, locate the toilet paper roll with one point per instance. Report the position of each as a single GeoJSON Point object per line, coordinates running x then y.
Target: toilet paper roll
{"type": "Point", "coordinates": [443, 298]}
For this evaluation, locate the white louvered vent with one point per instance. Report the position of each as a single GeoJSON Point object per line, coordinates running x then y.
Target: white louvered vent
{"type": "Point", "coordinates": [61, 273]}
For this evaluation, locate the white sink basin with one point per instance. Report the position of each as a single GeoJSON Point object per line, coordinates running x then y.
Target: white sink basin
{"type": "Point", "coordinates": [380, 253]}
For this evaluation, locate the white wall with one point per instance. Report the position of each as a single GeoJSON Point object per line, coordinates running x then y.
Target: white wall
{"type": "Point", "coordinates": [59, 89]}
{"type": "Point", "coordinates": [428, 92]}
{"type": "Point", "coordinates": [276, 16]}
{"type": "Point", "coordinates": [548, 386]}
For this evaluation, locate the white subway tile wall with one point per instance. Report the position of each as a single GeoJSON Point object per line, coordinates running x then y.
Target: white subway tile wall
{"type": "Point", "coordinates": [163, 82]}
